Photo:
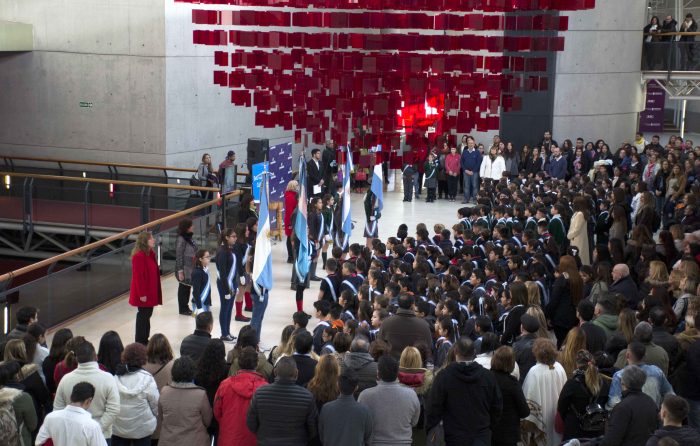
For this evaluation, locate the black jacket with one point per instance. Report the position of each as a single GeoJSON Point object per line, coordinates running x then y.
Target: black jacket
{"type": "Point", "coordinates": [455, 384]}
{"type": "Point", "coordinates": [667, 341]}
{"type": "Point", "coordinates": [193, 345]}
{"type": "Point", "coordinates": [306, 365]}
{"type": "Point", "coordinates": [523, 354]}
{"type": "Point", "coordinates": [686, 436]}
{"type": "Point", "coordinates": [507, 429]}
{"type": "Point", "coordinates": [627, 288]}
{"type": "Point", "coordinates": [595, 337]}
{"type": "Point", "coordinates": [574, 397]}
{"type": "Point", "coordinates": [511, 325]}
{"type": "Point", "coordinates": [282, 413]}
{"type": "Point", "coordinates": [560, 309]}
{"type": "Point", "coordinates": [315, 174]}
{"type": "Point", "coordinates": [632, 421]}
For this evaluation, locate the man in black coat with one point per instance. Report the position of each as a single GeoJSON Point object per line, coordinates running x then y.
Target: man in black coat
{"type": "Point", "coordinates": [595, 336]}
{"type": "Point", "coordinates": [305, 364]}
{"type": "Point", "coordinates": [193, 345]}
{"type": "Point", "coordinates": [674, 410]}
{"type": "Point", "coordinates": [661, 337]}
{"type": "Point", "coordinates": [634, 419]}
{"type": "Point", "coordinates": [460, 382]}
{"type": "Point", "coordinates": [283, 413]}
{"type": "Point", "coordinates": [315, 173]}
{"type": "Point", "coordinates": [529, 326]}
{"type": "Point", "coordinates": [623, 284]}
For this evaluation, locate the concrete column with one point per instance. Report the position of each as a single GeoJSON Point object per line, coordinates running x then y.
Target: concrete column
{"type": "Point", "coordinates": [597, 91]}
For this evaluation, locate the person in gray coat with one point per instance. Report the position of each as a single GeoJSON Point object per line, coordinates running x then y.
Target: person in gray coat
{"type": "Point", "coordinates": [345, 422]}
{"type": "Point", "coordinates": [361, 363]}
{"type": "Point", "coordinates": [409, 173]}
{"type": "Point", "coordinates": [395, 408]}
{"type": "Point", "coordinates": [185, 253]}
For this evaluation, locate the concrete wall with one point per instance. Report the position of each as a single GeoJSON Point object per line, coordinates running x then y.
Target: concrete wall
{"type": "Point", "coordinates": [199, 116]}
{"type": "Point", "coordinates": [598, 92]}
{"type": "Point", "coordinates": [107, 52]}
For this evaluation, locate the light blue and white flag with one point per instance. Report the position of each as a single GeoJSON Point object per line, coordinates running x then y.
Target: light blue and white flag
{"type": "Point", "coordinates": [262, 263]}
{"type": "Point", "coordinates": [347, 214]}
{"type": "Point", "coordinates": [301, 229]}
{"type": "Point", "coordinates": [378, 188]}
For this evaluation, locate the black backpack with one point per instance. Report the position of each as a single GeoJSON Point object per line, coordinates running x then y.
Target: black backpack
{"type": "Point", "coordinates": [594, 417]}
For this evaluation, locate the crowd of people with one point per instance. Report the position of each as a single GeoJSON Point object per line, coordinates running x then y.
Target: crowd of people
{"type": "Point", "coordinates": [562, 306]}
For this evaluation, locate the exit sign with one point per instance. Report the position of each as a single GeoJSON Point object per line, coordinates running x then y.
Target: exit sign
{"type": "Point", "coordinates": [85, 104]}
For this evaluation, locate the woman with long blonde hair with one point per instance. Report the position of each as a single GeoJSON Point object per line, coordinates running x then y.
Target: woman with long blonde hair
{"type": "Point", "coordinates": [324, 384]}
{"type": "Point", "coordinates": [575, 341]}
{"type": "Point", "coordinates": [585, 386]}
{"type": "Point", "coordinates": [533, 294]}
{"type": "Point", "coordinates": [145, 291]}
{"type": "Point", "coordinates": [542, 332]}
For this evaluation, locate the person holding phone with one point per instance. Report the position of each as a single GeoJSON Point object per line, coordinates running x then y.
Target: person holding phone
{"type": "Point", "coordinates": [145, 291]}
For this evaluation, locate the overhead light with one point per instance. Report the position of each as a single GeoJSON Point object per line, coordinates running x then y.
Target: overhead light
{"type": "Point", "coordinates": [84, 175]}
{"type": "Point", "coordinates": [7, 182]}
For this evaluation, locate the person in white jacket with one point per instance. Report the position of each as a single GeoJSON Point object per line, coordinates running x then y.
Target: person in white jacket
{"type": "Point", "coordinates": [138, 394]}
{"type": "Point", "coordinates": [105, 404]}
{"type": "Point", "coordinates": [73, 426]}
{"type": "Point", "coordinates": [492, 166]}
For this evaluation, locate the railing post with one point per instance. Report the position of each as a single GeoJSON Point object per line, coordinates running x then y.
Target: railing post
{"type": "Point", "coordinates": [86, 205]}
{"type": "Point", "coordinates": [145, 204]}
{"type": "Point", "coordinates": [27, 212]}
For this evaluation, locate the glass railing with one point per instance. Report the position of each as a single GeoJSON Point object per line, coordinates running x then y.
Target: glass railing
{"type": "Point", "coordinates": [670, 55]}
{"type": "Point", "coordinates": [98, 275]}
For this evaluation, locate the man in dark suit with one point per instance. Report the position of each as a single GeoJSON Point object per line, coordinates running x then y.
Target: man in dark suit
{"type": "Point", "coordinates": [315, 173]}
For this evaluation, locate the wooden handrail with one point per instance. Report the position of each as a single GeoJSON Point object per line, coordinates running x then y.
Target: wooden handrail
{"type": "Point", "coordinates": [107, 164]}
{"type": "Point", "coordinates": [46, 262]}
{"type": "Point", "coordinates": [673, 34]}
{"type": "Point", "coordinates": [105, 181]}
{"type": "Point", "coordinates": [99, 163]}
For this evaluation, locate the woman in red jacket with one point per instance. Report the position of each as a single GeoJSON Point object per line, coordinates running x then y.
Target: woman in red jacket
{"type": "Point", "coordinates": [291, 199]}
{"type": "Point", "coordinates": [233, 399]}
{"type": "Point", "coordinates": [452, 170]}
{"type": "Point", "coordinates": [145, 284]}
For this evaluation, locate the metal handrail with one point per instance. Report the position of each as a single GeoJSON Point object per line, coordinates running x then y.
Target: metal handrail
{"type": "Point", "coordinates": [60, 161]}
{"type": "Point", "coordinates": [98, 163]}
{"type": "Point", "coordinates": [106, 181]}
{"type": "Point", "coordinates": [94, 245]}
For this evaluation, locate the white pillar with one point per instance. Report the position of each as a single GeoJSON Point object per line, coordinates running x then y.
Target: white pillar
{"type": "Point", "coordinates": [598, 91]}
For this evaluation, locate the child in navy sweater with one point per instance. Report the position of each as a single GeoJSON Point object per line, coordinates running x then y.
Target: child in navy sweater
{"type": "Point", "coordinates": [201, 287]}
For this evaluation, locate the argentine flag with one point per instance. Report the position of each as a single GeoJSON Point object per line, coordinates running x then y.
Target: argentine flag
{"type": "Point", "coordinates": [301, 229]}
{"type": "Point", "coordinates": [377, 188]}
{"type": "Point", "coordinates": [262, 264]}
{"type": "Point", "coordinates": [347, 220]}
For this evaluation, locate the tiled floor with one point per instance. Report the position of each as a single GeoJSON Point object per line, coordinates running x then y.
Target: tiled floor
{"type": "Point", "coordinates": [119, 316]}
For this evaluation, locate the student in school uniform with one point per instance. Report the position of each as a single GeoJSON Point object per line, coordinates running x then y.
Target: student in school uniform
{"type": "Point", "coordinates": [201, 286]}
{"type": "Point", "coordinates": [329, 289]}
{"type": "Point", "coordinates": [227, 282]}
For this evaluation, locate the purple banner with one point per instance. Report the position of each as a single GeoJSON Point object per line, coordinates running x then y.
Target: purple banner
{"type": "Point", "coordinates": [652, 118]}
{"type": "Point", "coordinates": [281, 170]}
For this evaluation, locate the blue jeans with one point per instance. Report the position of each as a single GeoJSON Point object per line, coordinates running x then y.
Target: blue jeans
{"type": "Point", "coordinates": [694, 414]}
{"type": "Point", "coordinates": [226, 310]}
{"type": "Point", "coordinates": [471, 186]}
{"type": "Point", "coordinates": [259, 308]}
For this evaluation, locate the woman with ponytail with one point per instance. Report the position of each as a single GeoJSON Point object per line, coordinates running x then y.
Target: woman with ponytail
{"type": "Point", "coordinates": [587, 386]}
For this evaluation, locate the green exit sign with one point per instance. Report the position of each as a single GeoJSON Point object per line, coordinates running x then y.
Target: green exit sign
{"type": "Point", "coordinates": [85, 104]}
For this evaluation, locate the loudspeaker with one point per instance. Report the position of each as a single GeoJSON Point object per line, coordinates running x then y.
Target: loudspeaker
{"type": "Point", "coordinates": [257, 151]}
